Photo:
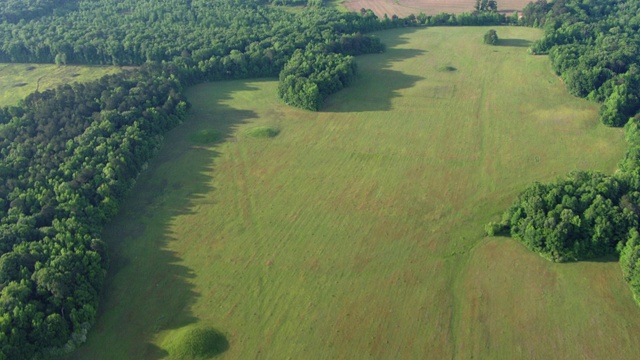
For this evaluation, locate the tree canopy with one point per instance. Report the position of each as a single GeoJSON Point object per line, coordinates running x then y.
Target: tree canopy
{"type": "Point", "coordinates": [595, 47]}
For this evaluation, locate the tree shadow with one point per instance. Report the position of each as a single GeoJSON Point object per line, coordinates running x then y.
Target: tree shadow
{"type": "Point", "coordinates": [148, 288]}
{"type": "Point", "coordinates": [514, 42]}
{"type": "Point", "coordinates": [377, 84]}
{"type": "Point", "coordinates": [604, 259]}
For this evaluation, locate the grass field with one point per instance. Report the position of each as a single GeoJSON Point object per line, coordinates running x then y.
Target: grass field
{"type": "Point", "coordinates": [357, 232]}
{"type": "Point", "coordinates": [19, 80]}
{"type": "Point", "coordinates": [429, 7]}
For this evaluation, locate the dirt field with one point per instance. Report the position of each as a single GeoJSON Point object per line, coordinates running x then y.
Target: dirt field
{"type": "Point", "coordinates": [429, 7]}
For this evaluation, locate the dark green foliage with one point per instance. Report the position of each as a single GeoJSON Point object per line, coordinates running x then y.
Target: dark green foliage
{"type": "Point", "coordinates": [630, 262]}
{"type": "Point", "coordinates": [133, 32]}
{"type": "Point", "coordinates": [584, 215]}
{"type": "Point", "coordinates": [478, 18]}
{"type": "Point", "coordinates": [68, 157]}
{"type": "Point", "coordinates": [309, 77]}
{"type": "Point", "coordinates": [534, 13]}
{"type": "Point", "coordinates": [300, 92]}
{"type": "Point", "coordinates": [595, 47]}
{"type": "Point", "coordinates": [575, 218]}
{"type": "Point", "coordinates": [13, 11]}
{"type": "Point", "coordinates": [631, 162]}
{"type": "Point", "coordinates": [617, 107]}
{"type": "Point", "coordinates": [486, 5]}
{"type": "Point", "coordinates": [490, 38]}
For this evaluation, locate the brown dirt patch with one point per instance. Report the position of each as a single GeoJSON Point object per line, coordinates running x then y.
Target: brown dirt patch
{"type": "Point", "coordinates": [430, 7]}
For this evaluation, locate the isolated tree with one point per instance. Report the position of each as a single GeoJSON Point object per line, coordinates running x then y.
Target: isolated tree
{"type": "Point", "coordinates": [491, 37]}
{"type": "Point", "coordinates": [486, 5]}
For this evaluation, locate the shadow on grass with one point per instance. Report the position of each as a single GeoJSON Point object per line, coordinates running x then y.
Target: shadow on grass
{"type": "Point", "coordinates": [604, 259]}
{"type": "Point", "coordinates": [377, 83]}
{"type": "Point", "coordinates": [514, 42]}
{"type": "Point", "coordinates": [149, 289]}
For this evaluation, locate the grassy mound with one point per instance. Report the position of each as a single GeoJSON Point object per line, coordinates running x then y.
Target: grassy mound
{"type": "Point", "coordinates": [263, 132]}
{"type": "Point", "coordinates": [196, 343]}
{"type": "Point", "coordinates": [205, 137]}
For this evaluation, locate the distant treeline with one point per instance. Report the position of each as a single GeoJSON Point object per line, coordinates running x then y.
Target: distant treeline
{"type": "Point", "coordinates": [594, 46]}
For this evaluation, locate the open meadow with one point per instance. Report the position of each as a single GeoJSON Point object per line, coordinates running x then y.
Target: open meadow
{"type": "Point", "coordinates": [404, 8]}
{"type": "Point", "coordinates": [19, 80]}
{"type": "Point", "coordinates": [357, 232]}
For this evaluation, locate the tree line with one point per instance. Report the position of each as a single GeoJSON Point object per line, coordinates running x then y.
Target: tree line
{"type": "Point", "coordinates": [595, 47]}
{"type": "Point", "coordinates": [69, 156]}
{"type": "Point", "coordinates": [583, 216]}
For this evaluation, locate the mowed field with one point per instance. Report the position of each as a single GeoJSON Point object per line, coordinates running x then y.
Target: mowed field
{"type": "Point", "coordinates": [19, 80]}
{"type": "Point", "coordinates": [357, 232]}
{"type": "Point", "coordinates": [430, 7]}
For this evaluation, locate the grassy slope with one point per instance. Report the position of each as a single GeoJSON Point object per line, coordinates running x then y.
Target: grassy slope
{"type": "Point", "coordinates": [19, 80]}
{"type": "Point", "coordinates": [357, 231]}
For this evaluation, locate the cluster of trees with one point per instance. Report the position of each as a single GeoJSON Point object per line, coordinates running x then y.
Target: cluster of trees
{"type": "Point", "coordinates": [15, 10]}
{"type": "Point", "coordinates": [68, 157]}
{"type": "Point", "coordinates": [630, 166]}
{"type": "Point", "coordinates": [585, 215]}
{"type": "Point", "coordinates": [582, 216]}
{"type": "Point", "coordinates": [595, 47]}
{"type": "Point", "coordinates": [309, 77]}
{"type": "Point", "coordinates": [486, 5]}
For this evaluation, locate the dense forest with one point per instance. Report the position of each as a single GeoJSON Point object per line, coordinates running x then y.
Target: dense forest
{"type": "Point", "coordinates": [68, 157]}
{"type": "Point", "coordinates": [594, 47]}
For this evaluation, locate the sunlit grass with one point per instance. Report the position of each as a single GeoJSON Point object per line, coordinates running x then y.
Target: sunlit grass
{"type": "Point", "coordinates": [357, 232]}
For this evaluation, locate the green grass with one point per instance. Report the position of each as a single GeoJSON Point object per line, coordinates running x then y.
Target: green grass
{"type": "Point", "coordinates": [446, 68]}
{"type": "Point", "coordinates": [357, 232]}
{"type": "Point", "coordinates": [206, 136]}
{"type": "Point", "coordinates": [19, 80]}
{"type": "Point", "coordinates": [196, 343]}
{"type": "Point", "coordinates": [262, 132]}
{"type": "Point", "coordinates": [337, 4]}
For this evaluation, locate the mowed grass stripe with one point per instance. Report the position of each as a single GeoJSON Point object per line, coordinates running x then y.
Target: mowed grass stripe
{"type": "Point", "coordinates": [357, 232]}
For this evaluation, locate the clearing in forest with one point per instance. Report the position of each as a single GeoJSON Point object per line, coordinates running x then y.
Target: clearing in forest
{"type": "Point", "coordinates": [19, 80]}
{"type": "Point", "coordinates": [404, 8]}
{"type": "Point", "coordinates": [357, 232]}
